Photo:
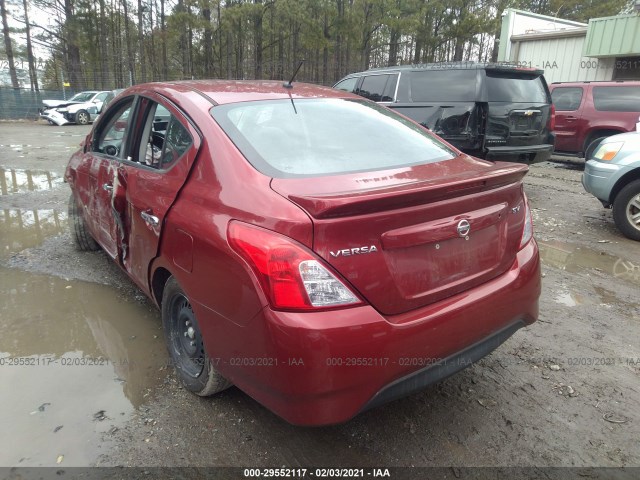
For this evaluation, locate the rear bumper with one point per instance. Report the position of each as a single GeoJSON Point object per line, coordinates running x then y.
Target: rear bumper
{"type": "Point", "coordinates": [442, 369]}
{"type": "Point", "coordinates": [325, 367]}
{"type": "Point", "coordinates": [529, 153]}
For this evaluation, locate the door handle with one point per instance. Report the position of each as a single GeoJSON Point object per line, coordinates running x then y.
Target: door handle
{"type": "Point", "coordinates": [107, 187]}
{"type": "Point", "coordinates": [150, 219]}
{"type": "Point", "coordinates": [571, 119]}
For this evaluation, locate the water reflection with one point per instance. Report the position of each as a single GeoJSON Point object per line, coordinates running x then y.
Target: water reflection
{"type": "Point", "coordinates": [19, 181]}
{"type": "Point", "coordinates": [80, 348]}
{"type": "Point", "coordinates": [28, 228]}
{"type": "Point", "coordinates": [574, 259]}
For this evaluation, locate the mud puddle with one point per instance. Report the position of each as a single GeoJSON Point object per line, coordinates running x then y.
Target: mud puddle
{"type": "Point", "coordinates": [575, 259]}
{"type": "Point", "coordinates": [15, 180]}
{"type": "Point", "coordinates": [76, 360]}
{"type": "Point", "coordinates": [22, 229]}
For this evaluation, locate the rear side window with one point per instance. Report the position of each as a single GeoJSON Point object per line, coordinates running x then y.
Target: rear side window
{"type": "Point", "coordinates": [379, 88]}
{"type": "Point", "coordinates": [617, 99]}
{"type": "Point", "coordinates": [515, 88]}
{"type": "Point", "coordinates": [163, 138]}
{"type": "Point", "coordinates": [315, 137]}
{"type": "Point", "coordinates": [443, 86]}
{"type": "Point", "coordinates": [567, 99]}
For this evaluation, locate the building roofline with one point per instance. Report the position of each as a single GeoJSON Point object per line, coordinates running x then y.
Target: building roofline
{"type": "Point", "coordinates": [545, 17]}
{"type": "Point", "coordinates": [573, 32]}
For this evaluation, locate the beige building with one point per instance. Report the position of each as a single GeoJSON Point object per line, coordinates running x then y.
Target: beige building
{"type": "Point", "coordinates": [605, 49]}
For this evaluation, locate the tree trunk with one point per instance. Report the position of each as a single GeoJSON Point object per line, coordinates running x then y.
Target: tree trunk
{"type": "Point", "coordinates": [8, 47]}
{"type": "Point", "coordinates": [105, 74]}
{"type": "Point", "coordinates": [163, 32]}
{"type": "Point", "coordinates": [143, 66]}
{"type": "Point", "coordinates": [394, 41]}
{"type": "Point", "coordinates": [325, 51]}
{"type": "Point", "coordinates": [127, 39]}
{"type": "Point", "coordinates": [74, 66]}
{"type": "Point", "coordinates": [207, 43]}
{"type": "Point", "coordinates": [257, 31]}
{"type": "Point", "coordinates": [33, 75]}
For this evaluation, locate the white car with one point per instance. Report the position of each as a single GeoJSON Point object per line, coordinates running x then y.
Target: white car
{"type": "Point", "coordinates": [82, 108]}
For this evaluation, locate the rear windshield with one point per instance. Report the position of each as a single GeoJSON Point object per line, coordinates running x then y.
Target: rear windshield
{"type": "Point", "coordinates": [516, 89]}
{"type": "Point", "coordinates": [315, 137]}
{"type": "Point", "coordinates": [443, 86]}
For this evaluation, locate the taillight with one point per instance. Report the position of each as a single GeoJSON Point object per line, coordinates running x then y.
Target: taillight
{"type": "Point", "coordinates": [527, 231]}
{"type": "Point", "coordinates": [291, 276]}
{"type": "Point", "coordinates": [552, 120]}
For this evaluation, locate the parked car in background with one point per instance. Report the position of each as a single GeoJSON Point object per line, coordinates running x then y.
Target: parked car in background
{"type": "Point", "coordinates": [612, 175]}
{"type": "Point", "coordinates": [588, 112]}
{"type": "Point", "coordinates": [492, 111]}
{"type": "Point", "coordinates": [319, 271]}
{"type": "Point", "coordinates": [82, 108]}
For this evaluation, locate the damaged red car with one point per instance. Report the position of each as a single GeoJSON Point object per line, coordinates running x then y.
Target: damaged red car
{"type": "Point", "coordinates": [318, 251]}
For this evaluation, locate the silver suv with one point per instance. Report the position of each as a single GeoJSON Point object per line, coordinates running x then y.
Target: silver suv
{"type": "Point", "coordinates": [612, 175]}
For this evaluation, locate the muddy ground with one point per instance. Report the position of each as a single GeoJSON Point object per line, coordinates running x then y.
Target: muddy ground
{"type": "Point", "coordinates": [562, 392]}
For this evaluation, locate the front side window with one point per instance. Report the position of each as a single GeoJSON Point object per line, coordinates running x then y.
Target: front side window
{"type": "Point", "coordinates": [567, 99]}
{"type": "Point", "coordinates": [617, 99]}
{"type": "Point", "coordinates": [110, 138]}
{"type": "Point", "coordinates": [374, 87]}
{"type": "Point", "coordinates": [314, 137]}
{"type": "Point", "coordinates": [347, 85]}
{"type": "Point", "coordinates": [101, 97]}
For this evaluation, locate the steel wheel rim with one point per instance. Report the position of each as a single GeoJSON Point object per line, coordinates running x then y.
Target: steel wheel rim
{"type": "Point", "coordinates": [633, 212]}
{"type": "Point", "coordinates": [82, 118]}
{"type": "Point", "coordinates": [186, 339]}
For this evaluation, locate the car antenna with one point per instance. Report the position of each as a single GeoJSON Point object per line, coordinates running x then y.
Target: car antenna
{"type": "Point", "coordinates": [289, 84]}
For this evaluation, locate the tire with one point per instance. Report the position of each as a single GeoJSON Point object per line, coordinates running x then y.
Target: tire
{"type": "Point", "coordinates": [83, 239]}
{"type": "Point", "coordinates": [184, 342]}
{"type": "Point", "coordinates": [82, 117]}
{"type": "Point", "coordinates": [592, 147]}
{"type": "Point", "coordinates": [625, 206]}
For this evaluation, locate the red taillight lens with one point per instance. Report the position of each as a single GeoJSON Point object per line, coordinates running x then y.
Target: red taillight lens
{"type": "Point", "coordinates": [552, 119]}
{"type": "Point", "coordinates": [527, 231]}
{"type": "Point", "coordinates": [292, 277]}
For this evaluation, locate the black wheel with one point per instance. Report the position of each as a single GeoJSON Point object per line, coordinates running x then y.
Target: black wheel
{"type": "Point", "coordinates": [626, 210]}
{"type": "Point", "coordinates": [592, 147]}
{"type": "Point", "coordinates": [184, 341]}
{"type": "Point", "coordinates": [82, 117]}
{"type": "Point", "coordinates": [83, 239]}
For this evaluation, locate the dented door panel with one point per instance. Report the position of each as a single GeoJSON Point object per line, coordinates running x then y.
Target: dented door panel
{"type": "Point", "coordinates": [456, 122]}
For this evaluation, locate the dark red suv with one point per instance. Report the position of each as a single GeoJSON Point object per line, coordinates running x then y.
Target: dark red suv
{"type": "Point", "coordinates": [317, 250]}
{"type": "Point", "coordinates": [588, 112]}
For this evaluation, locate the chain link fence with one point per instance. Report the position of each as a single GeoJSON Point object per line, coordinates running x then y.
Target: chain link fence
{"type": "Point", "coordinates": [23, 103]}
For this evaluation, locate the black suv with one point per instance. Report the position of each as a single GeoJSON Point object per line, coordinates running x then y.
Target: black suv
{"type": "Point", "coordinates": [492, 111]}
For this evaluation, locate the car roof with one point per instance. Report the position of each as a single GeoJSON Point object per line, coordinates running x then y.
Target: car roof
{"type": "Point", "coordinates": [220, 92]}
{"type": "Point", "coordinates": [451, 66]}
{"type": "Point", "coordinates": [600, 83]}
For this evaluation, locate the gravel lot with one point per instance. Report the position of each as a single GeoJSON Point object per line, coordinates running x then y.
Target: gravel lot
{"type": "Point", "coordinates": [563, 392]}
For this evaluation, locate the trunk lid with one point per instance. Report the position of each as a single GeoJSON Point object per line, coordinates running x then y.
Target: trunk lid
{"type": "Point", "coordinates": [399, 236]}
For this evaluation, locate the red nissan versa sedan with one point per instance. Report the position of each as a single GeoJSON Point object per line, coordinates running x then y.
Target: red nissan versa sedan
{"type": "Point", "coordinates": [319, 251]}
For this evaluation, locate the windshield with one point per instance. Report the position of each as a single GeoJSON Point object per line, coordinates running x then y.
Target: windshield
{"type": "Point", "coordinates": [82, 97]}
{"type": "Point", "coordinates": [313, 137]}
